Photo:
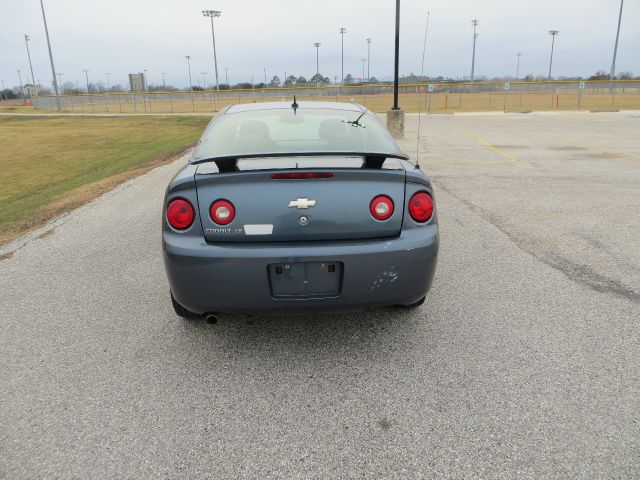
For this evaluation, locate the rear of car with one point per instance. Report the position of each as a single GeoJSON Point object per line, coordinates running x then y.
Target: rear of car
{"type": "Point", "coordinates": [298, 209]}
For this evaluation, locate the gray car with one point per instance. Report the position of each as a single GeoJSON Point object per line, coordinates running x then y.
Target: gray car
{"type": "Point", "coordinates": [296, 207]}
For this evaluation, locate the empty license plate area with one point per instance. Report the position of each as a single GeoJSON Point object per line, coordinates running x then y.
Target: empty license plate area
{"type": "Point", "coordinates": [305, 279]}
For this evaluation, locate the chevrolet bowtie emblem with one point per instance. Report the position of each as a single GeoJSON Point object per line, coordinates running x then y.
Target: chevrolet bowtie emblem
{"type": "Point", "coordinates": [302, 203]}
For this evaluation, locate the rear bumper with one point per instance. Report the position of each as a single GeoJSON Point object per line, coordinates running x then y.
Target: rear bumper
{"type": "Point", "coordinates": [233, 278]}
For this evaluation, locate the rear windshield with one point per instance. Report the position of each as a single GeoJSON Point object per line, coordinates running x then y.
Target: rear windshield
{"type": "Point", "coordinates": [286, 131]}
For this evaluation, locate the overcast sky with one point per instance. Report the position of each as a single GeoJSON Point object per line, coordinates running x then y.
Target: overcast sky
{"type": "Point", "coordinates": [123, 36]}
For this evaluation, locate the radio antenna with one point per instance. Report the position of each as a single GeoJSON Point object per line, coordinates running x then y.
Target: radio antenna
{"type": "Point", "coordinates": [424, 51]}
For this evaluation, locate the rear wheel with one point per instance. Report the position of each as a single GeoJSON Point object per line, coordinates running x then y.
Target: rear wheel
{"type": "Point", "coordinates": [181, 311]}
{"type": "Point", "coordinates": [416, 304]}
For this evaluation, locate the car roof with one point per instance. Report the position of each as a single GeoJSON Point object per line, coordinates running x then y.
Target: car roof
{"type": "Point", "coordinates": [252, 107]}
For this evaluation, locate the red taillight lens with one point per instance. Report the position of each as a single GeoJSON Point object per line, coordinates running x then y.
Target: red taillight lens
{"type": "Point", "coordinates": [180, 214]}
{"type": "Point", "coordinates": [421, 207]}
{"type": "Point", "coordinates": [301, 175]}
{"type": "Point", "coordinates": [381, 207]}
{"type": "Point", "coordinates": [222, 212]}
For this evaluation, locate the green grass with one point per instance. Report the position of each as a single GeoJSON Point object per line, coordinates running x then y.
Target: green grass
{"type": "Point", "coordinates": [42, 160]}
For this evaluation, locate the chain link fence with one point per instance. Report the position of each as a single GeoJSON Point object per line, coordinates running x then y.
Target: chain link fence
{"type": "Point", "coordinates": [435, 97]}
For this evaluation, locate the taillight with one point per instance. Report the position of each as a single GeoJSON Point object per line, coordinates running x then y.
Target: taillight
{"type": "Point", "coordinates": [421, 207]}
{"type": "Point", "coordinates": [180, 214]}
{"type": "Point", "coordinates": [222, 212]}
{"type": "Point", "coordinates": [381, 207]}
{"type": "Point", "coordinates": [300, 175]}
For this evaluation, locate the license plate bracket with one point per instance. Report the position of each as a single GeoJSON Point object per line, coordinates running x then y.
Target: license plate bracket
{"type": "Point", "coordinates": [305, 279]}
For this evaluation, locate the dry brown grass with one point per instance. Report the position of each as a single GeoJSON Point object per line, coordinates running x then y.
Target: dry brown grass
{"type": "Point", "coordinates": [51, 165]}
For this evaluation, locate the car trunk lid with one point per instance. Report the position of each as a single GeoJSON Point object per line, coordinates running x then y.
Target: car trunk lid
{"type": "Point", "coordinates": [270, 209]}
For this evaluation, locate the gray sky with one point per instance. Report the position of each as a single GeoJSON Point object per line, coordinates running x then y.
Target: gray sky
{"type": "Point", "coordinates": [123, 36]}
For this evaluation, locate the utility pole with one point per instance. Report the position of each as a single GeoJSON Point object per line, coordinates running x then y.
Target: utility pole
{"type": "Point", "coordinates": [364, 61]}
{"type": "Point", "coordinates": [553, 34]}
{"type": "Point", "coordinates": [368, 59]}
{"type": "Point", "coordinates": [342, 32]}
{"type": "Point", "coordinates": [204, 80]}
{"type": "Point", "coordinates": [519, 54]}
{"type": "Point", "coordinates": [33, 78]}
{"type": "Point", "coordinates": [107, 74]}
{"type": "Point", "coordinates": [475, 23]}
{"type": "Point", "coordinates": [188, 57]}
{"type": "Point", "coordinates": [615, 50]}
{"type": "Point", "coordinates": [317, 45]}
{"type": "Point", "coordinates": [164, 83]}
{"type": "Point", "coordinates": [53, 69]}
{"type": "Point", "coordinates": [211, 14]}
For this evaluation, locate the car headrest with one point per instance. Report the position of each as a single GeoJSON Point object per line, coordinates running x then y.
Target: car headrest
{"type": "Point", "coordinates": [331, 127]}
{"type": "Point", "coordinates": [257, 128]}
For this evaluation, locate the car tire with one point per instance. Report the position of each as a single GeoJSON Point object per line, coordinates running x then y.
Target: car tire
{"type": "Point", "coordinates": [416, 304]}
{"type": "Point", "coordinates": [181, 311]}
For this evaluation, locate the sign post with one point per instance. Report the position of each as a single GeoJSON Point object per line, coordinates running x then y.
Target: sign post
{"type": "Point", "coordinates": [581, 86]}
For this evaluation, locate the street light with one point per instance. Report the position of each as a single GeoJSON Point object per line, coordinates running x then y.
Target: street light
{"type": "Point", "coordinates": [86, 74]}
{"type": "Point", "coordinates": [342, 32]}
{"type": "Point", "coordinates": [21, 88]}
{"type": "Point", "coordinates": [53, 69]}
{"type": "Point", "coordinates": [519, 54]}
{"type": "Point", "coordinates": [475, 23]}
{"type": "Point", "coordinates": [33, 78]}
{"type": "Point", "coordinates": [368, 59]}
{"type": "Point", "coordinates": [317, 45]}
{"type": "Point", "coordinates": [188, 57]}
{"type": "Point", "coordinates": [615, 50]}
{"type": "Point", "coordinates": [211, 14]}
{"type": "Point", "coordinates": [204, 80]}
{"type": "Point", "coordinates": [553, 34]}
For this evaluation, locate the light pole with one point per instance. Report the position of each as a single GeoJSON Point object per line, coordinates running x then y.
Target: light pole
{"type": "Point", "coordinates": [53, 69]}
{"type": "Point", "coordinates": [317, 45]}
{"type": "Point", "coordinates": [615, 50]}
{"type": "Point", "coordinates": [21, 87]}
{"type": "Point", "coordinates": [33, 78]}
{"type": "Point", "coordinates": [164, 83]}
{"type": "Point", "coordinates": [86, 75]}
{"type": "Point", "coordinates": [553, 34]}
{"type": "Point", "coordinates": [368, 59]}
{"type": "Point", "coordinates": [146, 80]}
{"type": "Point", "coordinates": [342, 32]}
{"type": "Point", "coordinates": [188, 57]}
{"type": "Point", "coordinates": [59, 75]}
{"type": "Point", "coordinates": [364, 61]}
{"type": "Point", "coordinates": [475, 23]}
{"type": "Point", "coordinates": [106, 74]}
{"type": "Point", "coordinates": [519, 54]}
{"type": "Point", "coordinates": [204, 80]}
{"type": "Point", "coordinates": [211, 14]}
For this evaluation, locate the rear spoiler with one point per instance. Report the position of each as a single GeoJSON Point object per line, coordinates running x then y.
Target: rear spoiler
{"type": "Point", "coordinates": [229, 163]}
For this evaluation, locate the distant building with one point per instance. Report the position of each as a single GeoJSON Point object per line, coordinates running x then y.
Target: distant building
{"type": "Point", "coordinates": [137, 82]}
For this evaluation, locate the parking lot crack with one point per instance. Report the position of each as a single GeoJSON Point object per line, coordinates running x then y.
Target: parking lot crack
{"type": "Point", "coordinates": [576, 272]}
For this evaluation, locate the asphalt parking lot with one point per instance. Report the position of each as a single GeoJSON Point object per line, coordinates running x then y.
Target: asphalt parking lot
{"type": "Point", "coordinates": [523, 362]}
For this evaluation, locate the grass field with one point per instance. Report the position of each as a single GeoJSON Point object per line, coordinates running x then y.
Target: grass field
{"type": "Point", "coordinates": [48, 165]}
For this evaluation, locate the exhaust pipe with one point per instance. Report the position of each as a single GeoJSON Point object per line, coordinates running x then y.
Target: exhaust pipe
{"type": "Point", "coordinates": [212, 319]}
